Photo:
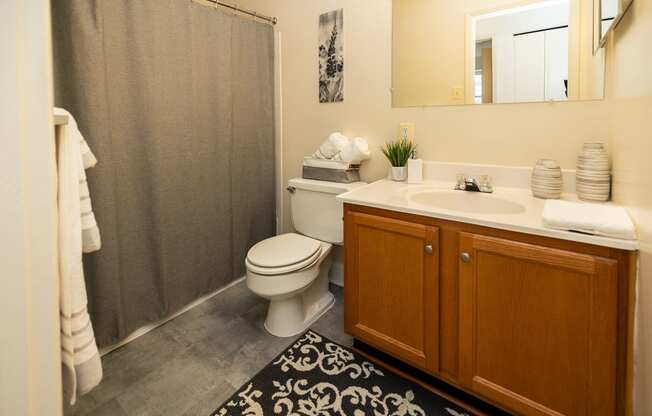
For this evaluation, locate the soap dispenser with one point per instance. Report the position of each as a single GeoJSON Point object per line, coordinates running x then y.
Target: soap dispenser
{"type": "Point", "coordinates": [415, 169]}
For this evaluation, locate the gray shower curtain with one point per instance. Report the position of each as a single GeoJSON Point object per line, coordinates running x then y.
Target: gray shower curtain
{"type": "Point", "coordinates": [176, 101]}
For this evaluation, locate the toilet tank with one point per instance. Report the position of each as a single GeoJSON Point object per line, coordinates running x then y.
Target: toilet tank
{"type": "Point", "coordinates": [315, 211]}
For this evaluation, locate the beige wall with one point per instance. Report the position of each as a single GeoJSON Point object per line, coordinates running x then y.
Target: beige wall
{"type": "Point", "coordinates": [429, 49]}
{"type": "Point", "coordinates": [630, 98]}
{"type": "Point", "coordinates": [30, 357]}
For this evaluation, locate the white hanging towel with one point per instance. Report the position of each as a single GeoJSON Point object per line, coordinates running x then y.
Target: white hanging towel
{"type": "Point", "coordinates": [91, 239]}
{"type": "Point", "coordinates": [82, 367]}
{"type": "Point", "coordinates": [591, 218]}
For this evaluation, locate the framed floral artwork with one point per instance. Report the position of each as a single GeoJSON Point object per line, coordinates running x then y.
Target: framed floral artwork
{"type": "Point", "coordinates": [331, 57]}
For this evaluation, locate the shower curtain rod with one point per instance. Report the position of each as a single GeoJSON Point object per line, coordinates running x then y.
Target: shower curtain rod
{"type": "Point", "coordinates": [272, 20]}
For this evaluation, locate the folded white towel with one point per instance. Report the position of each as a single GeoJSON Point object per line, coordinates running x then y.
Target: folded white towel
{"type": "Point", "coordinates": [82, 368]}
{"type": "Point", "coordinates": [355, 152]}
{"type": "Point", "coordinates": [328, 164]}
{"type": "Point", "coordinates": [331, 147]}
{"type": "Point", "coordinates": [598, 219]}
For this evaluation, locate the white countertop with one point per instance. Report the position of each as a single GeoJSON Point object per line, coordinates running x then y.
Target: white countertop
{"type": "Point", "coordinates": [397, 196]}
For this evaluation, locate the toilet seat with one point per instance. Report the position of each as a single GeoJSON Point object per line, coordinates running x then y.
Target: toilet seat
{"type": "Point", "coordinates": [283, 254]}
{"type": "Point", "coordinates": [268, 271]}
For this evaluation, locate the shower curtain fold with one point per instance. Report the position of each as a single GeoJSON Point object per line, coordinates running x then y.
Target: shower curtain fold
{"type": "Point", "coordinates": [176, 100]}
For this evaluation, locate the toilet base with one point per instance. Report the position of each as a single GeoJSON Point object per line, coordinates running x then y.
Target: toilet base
{"type": "Point", "coordinates": [281, 316]}
{"type": "Point", "coordinates": [292, 315]}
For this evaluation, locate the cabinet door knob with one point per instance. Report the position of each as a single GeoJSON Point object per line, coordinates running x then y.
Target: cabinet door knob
{"type": "Point", "coordinates": [428, 249]}
{"type": "Point", "coordinates": [465, 257]}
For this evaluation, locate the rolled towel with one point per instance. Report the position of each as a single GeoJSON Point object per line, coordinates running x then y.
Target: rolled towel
{"type": "Point", "coordinates": [598, 219]}
{"type": "Point", "coordinates": [331, 147]}
{"type": "Point", "coordinates": [356, 151]}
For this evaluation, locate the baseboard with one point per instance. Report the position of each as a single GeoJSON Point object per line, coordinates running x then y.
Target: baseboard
{"type": "Point", "coordinates": [145, 329]}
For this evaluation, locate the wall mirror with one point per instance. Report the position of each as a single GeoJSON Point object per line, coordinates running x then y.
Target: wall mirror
{"type": "Point", "coordinates": [468, 52]}
{"type": "Point", "coordinates": [607, 14]}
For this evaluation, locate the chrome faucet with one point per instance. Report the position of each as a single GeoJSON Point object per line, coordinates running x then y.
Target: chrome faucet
{"type": "Point", "coordinates": [471, 184]}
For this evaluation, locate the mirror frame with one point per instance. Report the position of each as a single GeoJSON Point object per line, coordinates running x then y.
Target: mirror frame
{"type": "Point", "coordinates": [599, 40]}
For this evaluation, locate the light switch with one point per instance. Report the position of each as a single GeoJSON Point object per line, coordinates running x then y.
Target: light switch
{"type": "Point", "coordinates": [406, 131]}
{"type": "Point", "coordinates": [458, 93]}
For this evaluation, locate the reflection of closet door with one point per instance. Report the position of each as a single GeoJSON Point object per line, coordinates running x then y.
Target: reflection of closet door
{"type": "Point", "coordinates": [503, 67]}
{"type": "Point", "coordinates": [556, 57]}
{"type": "Point", "coordinates": [529, 67]}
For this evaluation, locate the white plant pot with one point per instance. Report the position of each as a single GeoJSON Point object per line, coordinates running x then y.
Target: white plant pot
{"type": "Point", "coordinates": [398, 174]}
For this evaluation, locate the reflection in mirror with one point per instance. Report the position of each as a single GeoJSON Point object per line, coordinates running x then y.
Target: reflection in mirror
{"type": "Point", "coordinates": [494, 51]}
{"type": "Point", "coordinates": [522, 54]}
{"type": "Point", "coordinates": [608, 13]}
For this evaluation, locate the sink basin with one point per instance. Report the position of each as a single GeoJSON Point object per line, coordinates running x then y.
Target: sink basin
{"type": "Point", "coordinates": [470, 202]}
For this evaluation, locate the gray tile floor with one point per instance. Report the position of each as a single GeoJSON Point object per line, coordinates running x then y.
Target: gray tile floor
{"type": "Point", "coordinates": [190, 365]}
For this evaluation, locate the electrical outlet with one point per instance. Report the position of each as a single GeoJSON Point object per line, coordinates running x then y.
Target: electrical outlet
{"type": "Point", "coordinates": [406, 131]}
{"type": "Point", "coordinates": [458, 93]}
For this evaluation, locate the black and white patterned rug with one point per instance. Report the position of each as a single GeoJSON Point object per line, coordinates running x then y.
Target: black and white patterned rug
{"type": "Point", "coordinates": [318, 377]}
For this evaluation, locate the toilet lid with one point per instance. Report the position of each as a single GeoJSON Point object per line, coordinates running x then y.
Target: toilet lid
{"type": "Point", "coordinates": [284, 251]}
{"type": "Point", "coordinates": [279, 271]}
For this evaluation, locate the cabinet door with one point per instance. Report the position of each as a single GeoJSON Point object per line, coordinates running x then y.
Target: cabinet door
{"type": "Point", "coordinates": [538, 327]}
{"type": "Point", "coordinates": [391, 287]}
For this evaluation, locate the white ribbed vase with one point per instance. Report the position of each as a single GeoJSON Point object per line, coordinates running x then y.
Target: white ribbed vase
{"type": "Point", "coordinates": [547, 182]}
{"type": "Point", "coordinates": [593, 174]}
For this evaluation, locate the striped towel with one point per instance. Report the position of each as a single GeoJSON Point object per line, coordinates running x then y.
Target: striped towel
{"type": "Point", "coordinates": [82, 367]}
{"type": "Point", "coordinates": [91, 239]}
{"type": "Point", "coordinates": [87, 156]}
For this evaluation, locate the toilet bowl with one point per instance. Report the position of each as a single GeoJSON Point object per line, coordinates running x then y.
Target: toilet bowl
{"type": "Point", "coordinates": [291, 270]}
{"type": "Point", "coordinates": [297, 291]}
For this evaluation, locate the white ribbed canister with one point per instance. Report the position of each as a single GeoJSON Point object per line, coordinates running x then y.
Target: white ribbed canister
{"type": "Point", "coordinates": [593, 176]}
{"type": "Point", "coordinates": [547, 181]}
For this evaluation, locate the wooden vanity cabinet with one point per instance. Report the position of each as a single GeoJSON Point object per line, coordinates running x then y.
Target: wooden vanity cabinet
{"type": "Point", "coordinates": [538, 327]}
{"type": "Point", "coordinates": [535, 325]}
{"type": "Point", "coordinates": [392, 287]}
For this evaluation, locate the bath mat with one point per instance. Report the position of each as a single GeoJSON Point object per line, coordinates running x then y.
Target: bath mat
{"type": "Point", "coordinates": [316, 376]}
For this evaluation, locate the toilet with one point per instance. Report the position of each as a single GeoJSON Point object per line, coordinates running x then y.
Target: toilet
{"type": "Point", "coordinates": [291, 270]}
